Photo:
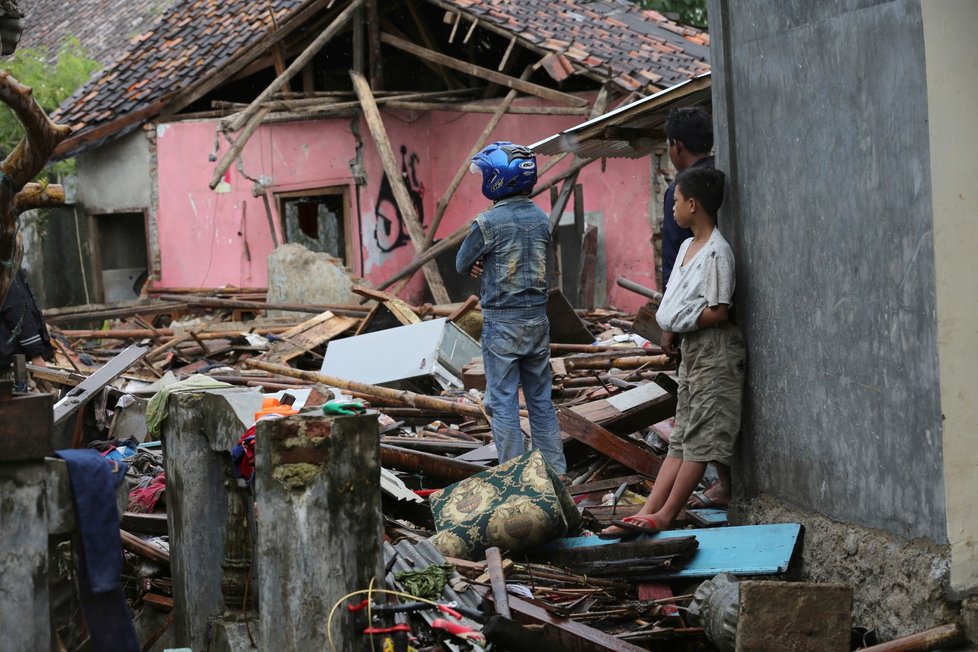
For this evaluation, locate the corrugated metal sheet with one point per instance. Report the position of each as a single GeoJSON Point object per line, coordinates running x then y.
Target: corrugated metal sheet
{"type": "Point", "coordinates": [630, 131]}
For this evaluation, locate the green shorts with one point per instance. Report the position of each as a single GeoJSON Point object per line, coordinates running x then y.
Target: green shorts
{"type": "Point", "coordinates": [711, 388]}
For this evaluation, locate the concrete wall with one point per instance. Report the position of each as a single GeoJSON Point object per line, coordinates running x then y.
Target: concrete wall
{"type": "Point", "coordinates": [822, 123]}
{"type": "Point", "coordinates": [116, 177]}
{"type": "Point", "coordinates": [209, 238]}
{"type": "Point", "coordinates": [952, 94]}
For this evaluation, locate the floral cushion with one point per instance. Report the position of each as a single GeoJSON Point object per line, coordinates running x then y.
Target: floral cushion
{"type": "Point", "coordinates": [514, 506]}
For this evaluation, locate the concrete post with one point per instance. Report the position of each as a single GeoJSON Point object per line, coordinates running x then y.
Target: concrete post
{"type": "Point", "coordinates": [25, 622]}
{"type": "Point", "coordinates": [25, 438]}
{"type": "Point", "coordinates": [319, 527]}
{"type": "Point", "coordinates": [207, 530]}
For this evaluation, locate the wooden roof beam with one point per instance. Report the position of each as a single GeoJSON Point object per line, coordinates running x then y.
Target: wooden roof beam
{"type": "Point", "coordinates": [482, 73]}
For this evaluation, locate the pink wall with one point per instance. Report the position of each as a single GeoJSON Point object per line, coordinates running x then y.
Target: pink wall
{"type": "Point", "coordinates": [203, 234]}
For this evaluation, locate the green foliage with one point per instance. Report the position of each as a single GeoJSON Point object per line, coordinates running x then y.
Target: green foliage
{"type": "Point", "coordinates": [690, 12]}
{"type": "Point", "coordinates": [53, 79]}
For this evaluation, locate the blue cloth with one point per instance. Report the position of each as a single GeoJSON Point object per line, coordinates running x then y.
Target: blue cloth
{"type": "Point", "coordinates": [674, 235]}
{"type": "Point", "coordinates": [513, 241]}
{"type": "Point", "coordinates": [99, 549]}
{"type": "Point", "coordinates": [517, 352]}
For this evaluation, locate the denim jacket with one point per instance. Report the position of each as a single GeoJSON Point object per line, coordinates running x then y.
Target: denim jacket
{"type": "Point", "coordinates": [513, 240]}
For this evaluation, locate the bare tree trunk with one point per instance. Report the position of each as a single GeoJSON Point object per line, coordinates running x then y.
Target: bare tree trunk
{"type": "Point", "coordinates": [22, 165]}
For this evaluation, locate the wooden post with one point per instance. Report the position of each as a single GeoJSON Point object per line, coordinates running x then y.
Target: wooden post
{"type": "Point", "coordinates": [494, 564]}
{"type": "Point", "coordinates": [320, 490]}
{"type": "Point", "coordinates": [373, 41]}
{"type": "Point", "coordinates": [376, 125]}
{"type": "Point", "coordinates": [359, 46]}
{"type": "Point", "coordinates": [318, 43]}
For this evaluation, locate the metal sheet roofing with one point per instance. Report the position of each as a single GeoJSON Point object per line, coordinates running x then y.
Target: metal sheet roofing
{"type": "Point", "coordinates": [630, 131]}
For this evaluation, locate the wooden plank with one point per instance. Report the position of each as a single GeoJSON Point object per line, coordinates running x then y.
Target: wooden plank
{"type": "Point", "coordinates": [707, 517]}
{"type": "Point", "coordinates": [741, 550]}
{"type": "Point", "coordinates": [482, 73]}
{"type": "Point", "coordinates": [145, 523]}
{"type": "Point", "coordinates": [604, 485]}
{"type": "Point", "coordinates": [633, 549]}
{"type": "Point", "coordinates": [565, 326]}
{"type": "Point", "coordinates": [938, 638]}
{"type": "Point", "coordinates": [558, 208]}
{"type": "Point", "coordinates": [587, 277]}
{"type": "Point", "coordinates": [649, 591]}
{"type": "Point", "coordinates": [643, 406]}
{"type": "Point", "coordinates": [431, 445]}
{"type": "Point", "coordinates": [608, 444]}
{"type": "Point", "coordinates": [574, 636]}
{"type": "Point", "coordinates": [404, 203]}
{"type": "Point", "coordinates": [307, 336]}
{"type": "Point", "coordinates": [435, 466]}
{"type": "Point", "coordinates": [132, 543]}
{"type": "Point", "coordinates": [645, 324]}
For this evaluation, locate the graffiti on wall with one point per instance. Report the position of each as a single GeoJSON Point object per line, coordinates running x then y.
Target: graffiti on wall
{"type": "Point", "coordinates": [390, 232]}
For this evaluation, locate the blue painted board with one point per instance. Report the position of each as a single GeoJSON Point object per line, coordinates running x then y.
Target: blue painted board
{"type": "Point", "coordinates": [741, 550]}
{"type": "Point", "coordinates": [709, 517]}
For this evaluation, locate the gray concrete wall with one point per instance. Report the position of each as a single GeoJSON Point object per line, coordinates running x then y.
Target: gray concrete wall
{"type": "Point", "coordinates": [821, 117]}
{"type": "Point", "coordinates": [116, 177]}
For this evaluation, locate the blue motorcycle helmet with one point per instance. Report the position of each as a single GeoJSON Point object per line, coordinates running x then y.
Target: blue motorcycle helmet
{"type": "Point", "coordinates": [507, 169]}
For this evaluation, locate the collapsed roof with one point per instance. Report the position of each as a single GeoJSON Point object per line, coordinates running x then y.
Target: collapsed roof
{"type": "Point", "coordinates": [200, 48]}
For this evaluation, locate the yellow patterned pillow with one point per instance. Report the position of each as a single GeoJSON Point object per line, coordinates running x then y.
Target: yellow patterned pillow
{"type": "Point", "coordinates": [516, 506]}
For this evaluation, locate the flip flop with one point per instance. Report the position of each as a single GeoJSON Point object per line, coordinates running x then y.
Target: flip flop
{"type": "Point", "coordinates": [705, 502]}
{"type": "Point", "coordinates": [651, 528]}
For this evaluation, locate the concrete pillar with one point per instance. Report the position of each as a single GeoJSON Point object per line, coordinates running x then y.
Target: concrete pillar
{"type": "Point", "coordinates": [319, 527]}
{"type": "Point", "coordinates": [203, 509]}
{"type": "Point", "coordinates": [25, 621]}
{"type": "Point", "coordinates": [25, 438]}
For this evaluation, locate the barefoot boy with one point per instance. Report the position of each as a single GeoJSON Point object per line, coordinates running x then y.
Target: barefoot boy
{"type": "Point", "coordinates": [711, 375]}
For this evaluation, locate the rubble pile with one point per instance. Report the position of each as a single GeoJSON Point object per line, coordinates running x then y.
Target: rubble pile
{"type": "Point", "coordinates": [459, 573]}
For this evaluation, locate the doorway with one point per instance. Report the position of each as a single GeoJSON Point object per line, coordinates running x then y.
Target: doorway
{"type": "Point", "coordinates": [120, 255]}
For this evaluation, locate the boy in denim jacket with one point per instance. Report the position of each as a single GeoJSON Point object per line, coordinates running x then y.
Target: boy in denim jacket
{"type": "Point", "coordinates": [508, 247]}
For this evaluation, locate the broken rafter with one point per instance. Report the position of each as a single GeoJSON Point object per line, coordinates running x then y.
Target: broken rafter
{"type": "Point", "coordinates": [482, 73]}
{"type": "Point", "coordinates": [318, 43]}
{"type": "Point", "coordinates": [237, 146]}
{"type": "Point", "coordinates": [404, 203]}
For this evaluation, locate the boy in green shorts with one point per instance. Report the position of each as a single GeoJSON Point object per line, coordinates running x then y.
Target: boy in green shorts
{"type": "Point", "coordinates": [694, 315]}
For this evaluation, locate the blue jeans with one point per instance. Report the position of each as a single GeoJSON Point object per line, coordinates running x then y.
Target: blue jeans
{"type": "Point", "coordinates": [517, 352]}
